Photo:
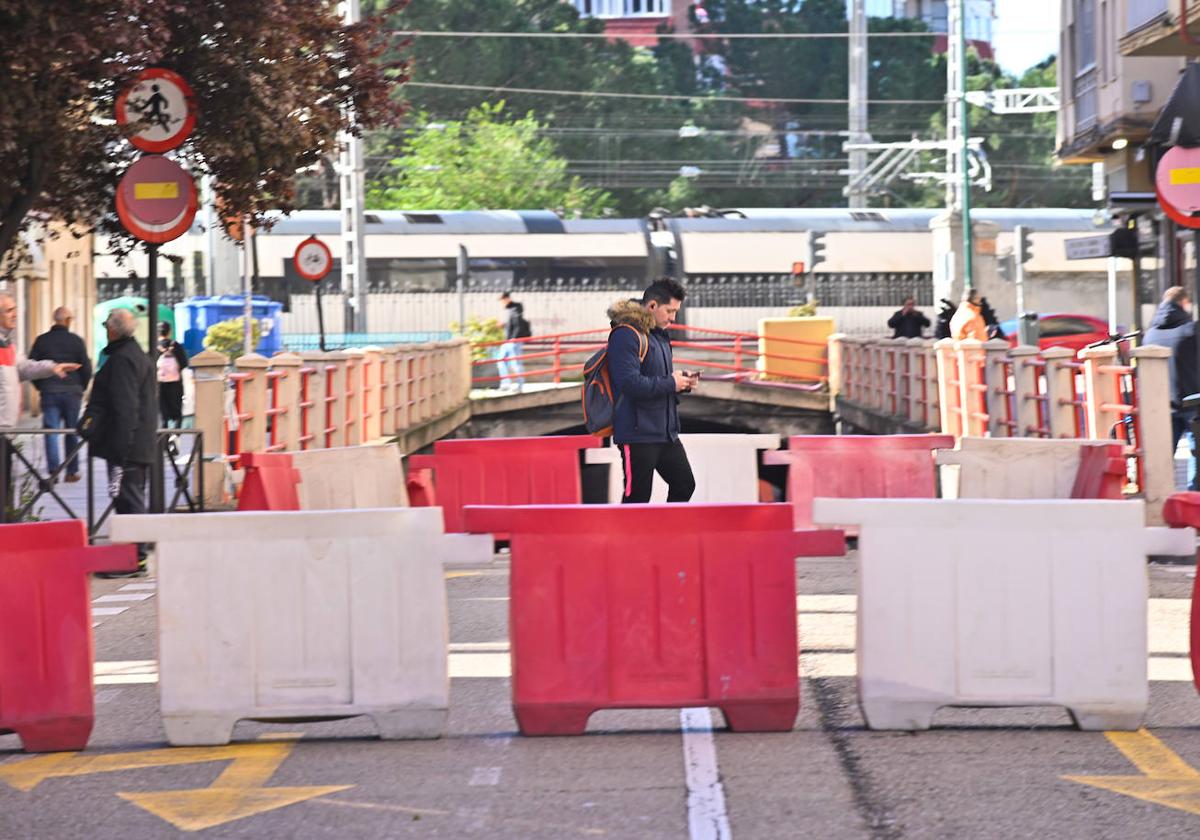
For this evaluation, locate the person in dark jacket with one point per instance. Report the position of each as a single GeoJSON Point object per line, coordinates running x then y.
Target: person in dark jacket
{"type": "Point", "coordinates": [908, 321]}
{"type": "Point", "coordinates": [62, 398]}
{"type": "Point", "coordinates": [122, 416]}
{"type": "Point", "coordinates": [646, 393]}
{"type": "Point", "coordinates": [1173, 327]}
{"type": "Point", "coordinates": [511, 369]}
{"type": "Point", "coordinates": [171, 362]}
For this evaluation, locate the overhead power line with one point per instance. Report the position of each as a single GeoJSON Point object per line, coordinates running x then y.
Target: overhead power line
{"type": "Point", "coordinates": [686, 36]}
{"type": "Point", "coordinates": [605, 94]}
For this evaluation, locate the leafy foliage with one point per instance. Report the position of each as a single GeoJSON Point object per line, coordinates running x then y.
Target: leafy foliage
{"type": "Point", "coordinates": [272, 81]}
{"type": "Point", "coordinates": [483, 162]}
{"type": "Point", "coordinates": [480, 331]}
{"type": "Point", "coordinates": [228, 337]}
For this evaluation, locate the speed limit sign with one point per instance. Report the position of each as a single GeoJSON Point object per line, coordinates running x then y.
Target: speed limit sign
{"type": "Point", "coordinates": [313, 260]}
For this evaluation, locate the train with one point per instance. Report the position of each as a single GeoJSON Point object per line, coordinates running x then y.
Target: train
{"type": "Point", "coordinates": [741, 258]}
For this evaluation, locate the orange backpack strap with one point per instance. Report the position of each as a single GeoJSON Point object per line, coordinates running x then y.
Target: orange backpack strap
{"type": "Point", "coordinates": [643, 341]}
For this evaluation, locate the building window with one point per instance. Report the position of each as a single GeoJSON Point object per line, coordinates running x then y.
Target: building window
{"type": "Point", "coordinates": [1085, 32]}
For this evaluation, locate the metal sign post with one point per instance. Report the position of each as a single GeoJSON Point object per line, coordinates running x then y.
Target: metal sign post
{"type": "Point", "coordinates": [313, 260]}
{"type": "Point", "coordinates": [462, 268]}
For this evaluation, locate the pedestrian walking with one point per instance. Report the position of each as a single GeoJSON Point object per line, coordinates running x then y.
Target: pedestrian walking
{"type": "Point", "coordinates": [1173, 327]}
{"type": "Point", "coordinates": [120, 421]}
{"type": "Point", "coordinates": [62, 398]}
{"type": "Point", "coordinates": [510, 368]}
{"type": "Point", "coordinates": [908, 321]}
{"type": "Point", "coordinates": [646, 392]}
{"type": "Point", "coordinates": [14, 369]}
{"type": "Point", "coordinates": [172, 360]}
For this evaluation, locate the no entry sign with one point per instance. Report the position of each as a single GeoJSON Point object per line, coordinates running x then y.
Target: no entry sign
{"type": "Point", "coordinates": [312, 259]}
{"type": "Point", "coordinates": [1177, 184]}
{"type": "Point", "coordinates": [156, 199]}
{"type": "Point", "coordinates": [161, 107]}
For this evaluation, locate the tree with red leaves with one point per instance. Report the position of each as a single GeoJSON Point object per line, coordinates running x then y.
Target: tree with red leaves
{"type": "Point", "coordinates": [274, 80]}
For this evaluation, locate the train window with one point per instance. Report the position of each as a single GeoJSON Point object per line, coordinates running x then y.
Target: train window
{"type": "Point", "coordinates": [867, 216]}
{"type": "Point", "coordinates": [372, 219]}
{"type": "Point", "coordinates": [423, 218]}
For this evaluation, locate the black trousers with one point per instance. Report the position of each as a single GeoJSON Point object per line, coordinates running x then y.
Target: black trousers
{"type": "Point", "coordinates": [642, 460]}
{"type": "Point", "coordinates": [170, 403]}
{"type": "Point", "coordinates": [129, 495]}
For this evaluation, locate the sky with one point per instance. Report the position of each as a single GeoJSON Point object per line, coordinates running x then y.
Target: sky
{"type": "Point", "coordinates": [1026, 31]}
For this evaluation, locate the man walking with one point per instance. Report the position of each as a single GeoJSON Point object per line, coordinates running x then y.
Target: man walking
{"type": "Point", "coordinates": [511, 369]}
{"type": "Point", "coordinates": [13, 370]}
{"type": "Point", "coordinates": [1173, 327]}
{"type": "Point", "coordinates": [121, 417]}
{"type": "Point", "coordinates": [646, 394]}
{"type": "Point", "coordinates": [907, 321]}
{"type": "Point", "coordinates": [62, 398]}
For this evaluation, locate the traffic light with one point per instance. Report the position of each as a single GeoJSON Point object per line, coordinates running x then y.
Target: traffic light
{"type": "Point", "coordinates": [814, 250]}
{"type": "Point", "coordinates": [1004, 265]}
{"type": "Point", "coordinates": [1024, 244]}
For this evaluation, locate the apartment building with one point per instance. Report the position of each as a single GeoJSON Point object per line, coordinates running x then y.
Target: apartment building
{"type": "Point", "coordinates": [1111, 94]}
{"type": "Point", "coordinates": [980, 19]}
{"type": "Point", "coordinates": [636, 21]}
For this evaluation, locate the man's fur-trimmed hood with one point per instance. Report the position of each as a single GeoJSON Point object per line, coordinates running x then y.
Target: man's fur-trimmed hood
{"type": "Point", "coordinates": [632, 313]}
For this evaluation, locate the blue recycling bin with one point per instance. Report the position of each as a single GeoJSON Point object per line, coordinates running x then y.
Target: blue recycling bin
{"type": "Point", "coordinates": [195, 315]}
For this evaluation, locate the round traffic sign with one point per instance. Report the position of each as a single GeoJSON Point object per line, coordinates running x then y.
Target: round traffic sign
{"type": "Point", "coordinates": [1177, 185]}
{"type": "Point", "coordinates": [161, 108]}
{"type": "Point", "coordinates": [313, 259]}
{"type": "Point", "coordinates": [156, 199]}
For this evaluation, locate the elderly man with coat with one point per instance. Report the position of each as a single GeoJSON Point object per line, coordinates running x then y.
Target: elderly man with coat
{"type": "Point", "coordinates": [1173, 327]}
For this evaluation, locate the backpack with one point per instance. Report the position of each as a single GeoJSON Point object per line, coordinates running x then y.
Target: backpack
{"type": "Point", "coordinates": [523, 328]}
{"type": "Point", "coordinates": [598, 403]}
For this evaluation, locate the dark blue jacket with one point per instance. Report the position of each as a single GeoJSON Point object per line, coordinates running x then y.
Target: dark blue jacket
{"type": "Point", "coordinates": [647, 408]}
{"type": "Point", "coordinates": [62, 345]}
{"type": "Point", "coordinates": [1173, 327]}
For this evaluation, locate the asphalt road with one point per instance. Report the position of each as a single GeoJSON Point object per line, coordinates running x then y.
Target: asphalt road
{"type": "Point", "coordinates": [991, 773]}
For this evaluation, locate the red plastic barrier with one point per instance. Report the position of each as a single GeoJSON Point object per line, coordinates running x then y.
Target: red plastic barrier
{"type": "Point", "coordinates": [1101, 473]}
{"type": "Point", "coordinates": [857, 467]}
{"type": "Point", "coordinates": [505, 471]}
{"type": "Point", "coordinates": [420, 484]}
{"type": "Point", "coordinates": [46, 693]}
{"type": "Point", "coordinates": [1182, 510]}
{"type": "Point", "coordinates": [270, 482]}
{"type": "Point", "coordinates": [637, 606]}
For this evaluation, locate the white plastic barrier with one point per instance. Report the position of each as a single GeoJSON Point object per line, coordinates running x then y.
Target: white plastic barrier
{"type": "Point", "coordinates": [1011, 468]}
{"type": "Point", "coordinates": [999, 603]}
{"type": "Point", "coordinates": [725, 467]}
{"type": "Point", "coordinates": [358, 477]}
{"type": "Point", "coordinates": [305, 614]}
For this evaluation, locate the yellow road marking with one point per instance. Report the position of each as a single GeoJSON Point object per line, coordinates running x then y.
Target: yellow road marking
{"type": "Point", "coordinates": [1185, 175]}
{"type": "Point", "coordinates": [1166, 778]}
{"type": "Point", "coordinates": [237, 793]}
{"type": "Point", "coordinates": [159, 189]}
{"type": "Point", "coordinates": [461, 574]}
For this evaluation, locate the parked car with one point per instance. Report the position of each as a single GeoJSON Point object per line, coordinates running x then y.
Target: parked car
{"type": "Point", "coordinates": [1061, 330]}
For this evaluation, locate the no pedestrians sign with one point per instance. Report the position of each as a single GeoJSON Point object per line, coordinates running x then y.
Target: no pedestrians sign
{"type": "Point", "coordinates": [161, 107]}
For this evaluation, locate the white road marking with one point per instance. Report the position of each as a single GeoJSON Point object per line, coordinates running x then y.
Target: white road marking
{"type": "Point", "coordinates": [707, 818]}
{"type": "Point", "coordinates": [139, 587]}
{"type": "Point", "coordinates": [107, 695]}
{"type": "Point", "coordinates": [108, 611]}
{"type": "Point", "coordinates": [483, 776]}
{"type": "Point", "coordinates": [123, 596]}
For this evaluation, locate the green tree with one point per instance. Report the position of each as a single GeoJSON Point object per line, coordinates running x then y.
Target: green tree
{"type": "Point", "coordinates": [229, 336]}
{"type": "Point", "coordinates": [484, 162]}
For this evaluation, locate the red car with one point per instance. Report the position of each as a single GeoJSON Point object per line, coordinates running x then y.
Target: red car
{"type": "Point", "coordinates": [1072, 331]}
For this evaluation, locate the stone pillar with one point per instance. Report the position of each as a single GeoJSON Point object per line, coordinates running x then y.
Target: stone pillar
{"type": "Point", "coordinates": [353, 417]}
{"type": "Point", "coordinates": [948, 262]}
{"type": "Point", "coordinates": [335, 412]}
{"type": "Point", "coordinates": [1060, 393]}
{"type": "Point", "coordinates": [996, 397]}
{"type": "Point", "coordinates": [836, 357]}
{"type": "Point", "coordinates": [972, 387]}
{"type": "Point", "coordinates": [313, 407]}
{"type": "Point", "coordinates": [1101, 388]}
{"type": "Point", "coordinates": [1026, 377]}
{"type": "Point", "coordinates": [252, 430]}
{"type": "Point", "coordinates": [287, 395]}
{"type": "Point", "coordinates": [1152, 365]}
{"type": "Point", "coordinates": [933, 410]}
{"type": "Point", "coordinates": [386, 372]}
{"type": "Point", "coordinates": [208, 375]}
{"type": "Point", "coordinates": [949, 388]}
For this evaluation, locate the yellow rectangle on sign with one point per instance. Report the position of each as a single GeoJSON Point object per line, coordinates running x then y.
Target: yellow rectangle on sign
{"type": "Point", "coordinates": [156, 189]}
{"type": "Point", "coordinates": [1188, 175]}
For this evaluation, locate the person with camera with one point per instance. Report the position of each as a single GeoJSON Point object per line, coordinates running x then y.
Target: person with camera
{"type": "Point", "coordinates": [646, 391]}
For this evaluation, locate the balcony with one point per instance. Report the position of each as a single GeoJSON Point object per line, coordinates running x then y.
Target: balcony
{"type": "Point", "coordinates": [1153, 28]}
{"type": "Point", "coordinates": [1086, 100]}
{"type": "Point", "coordinates": [619, 9]}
